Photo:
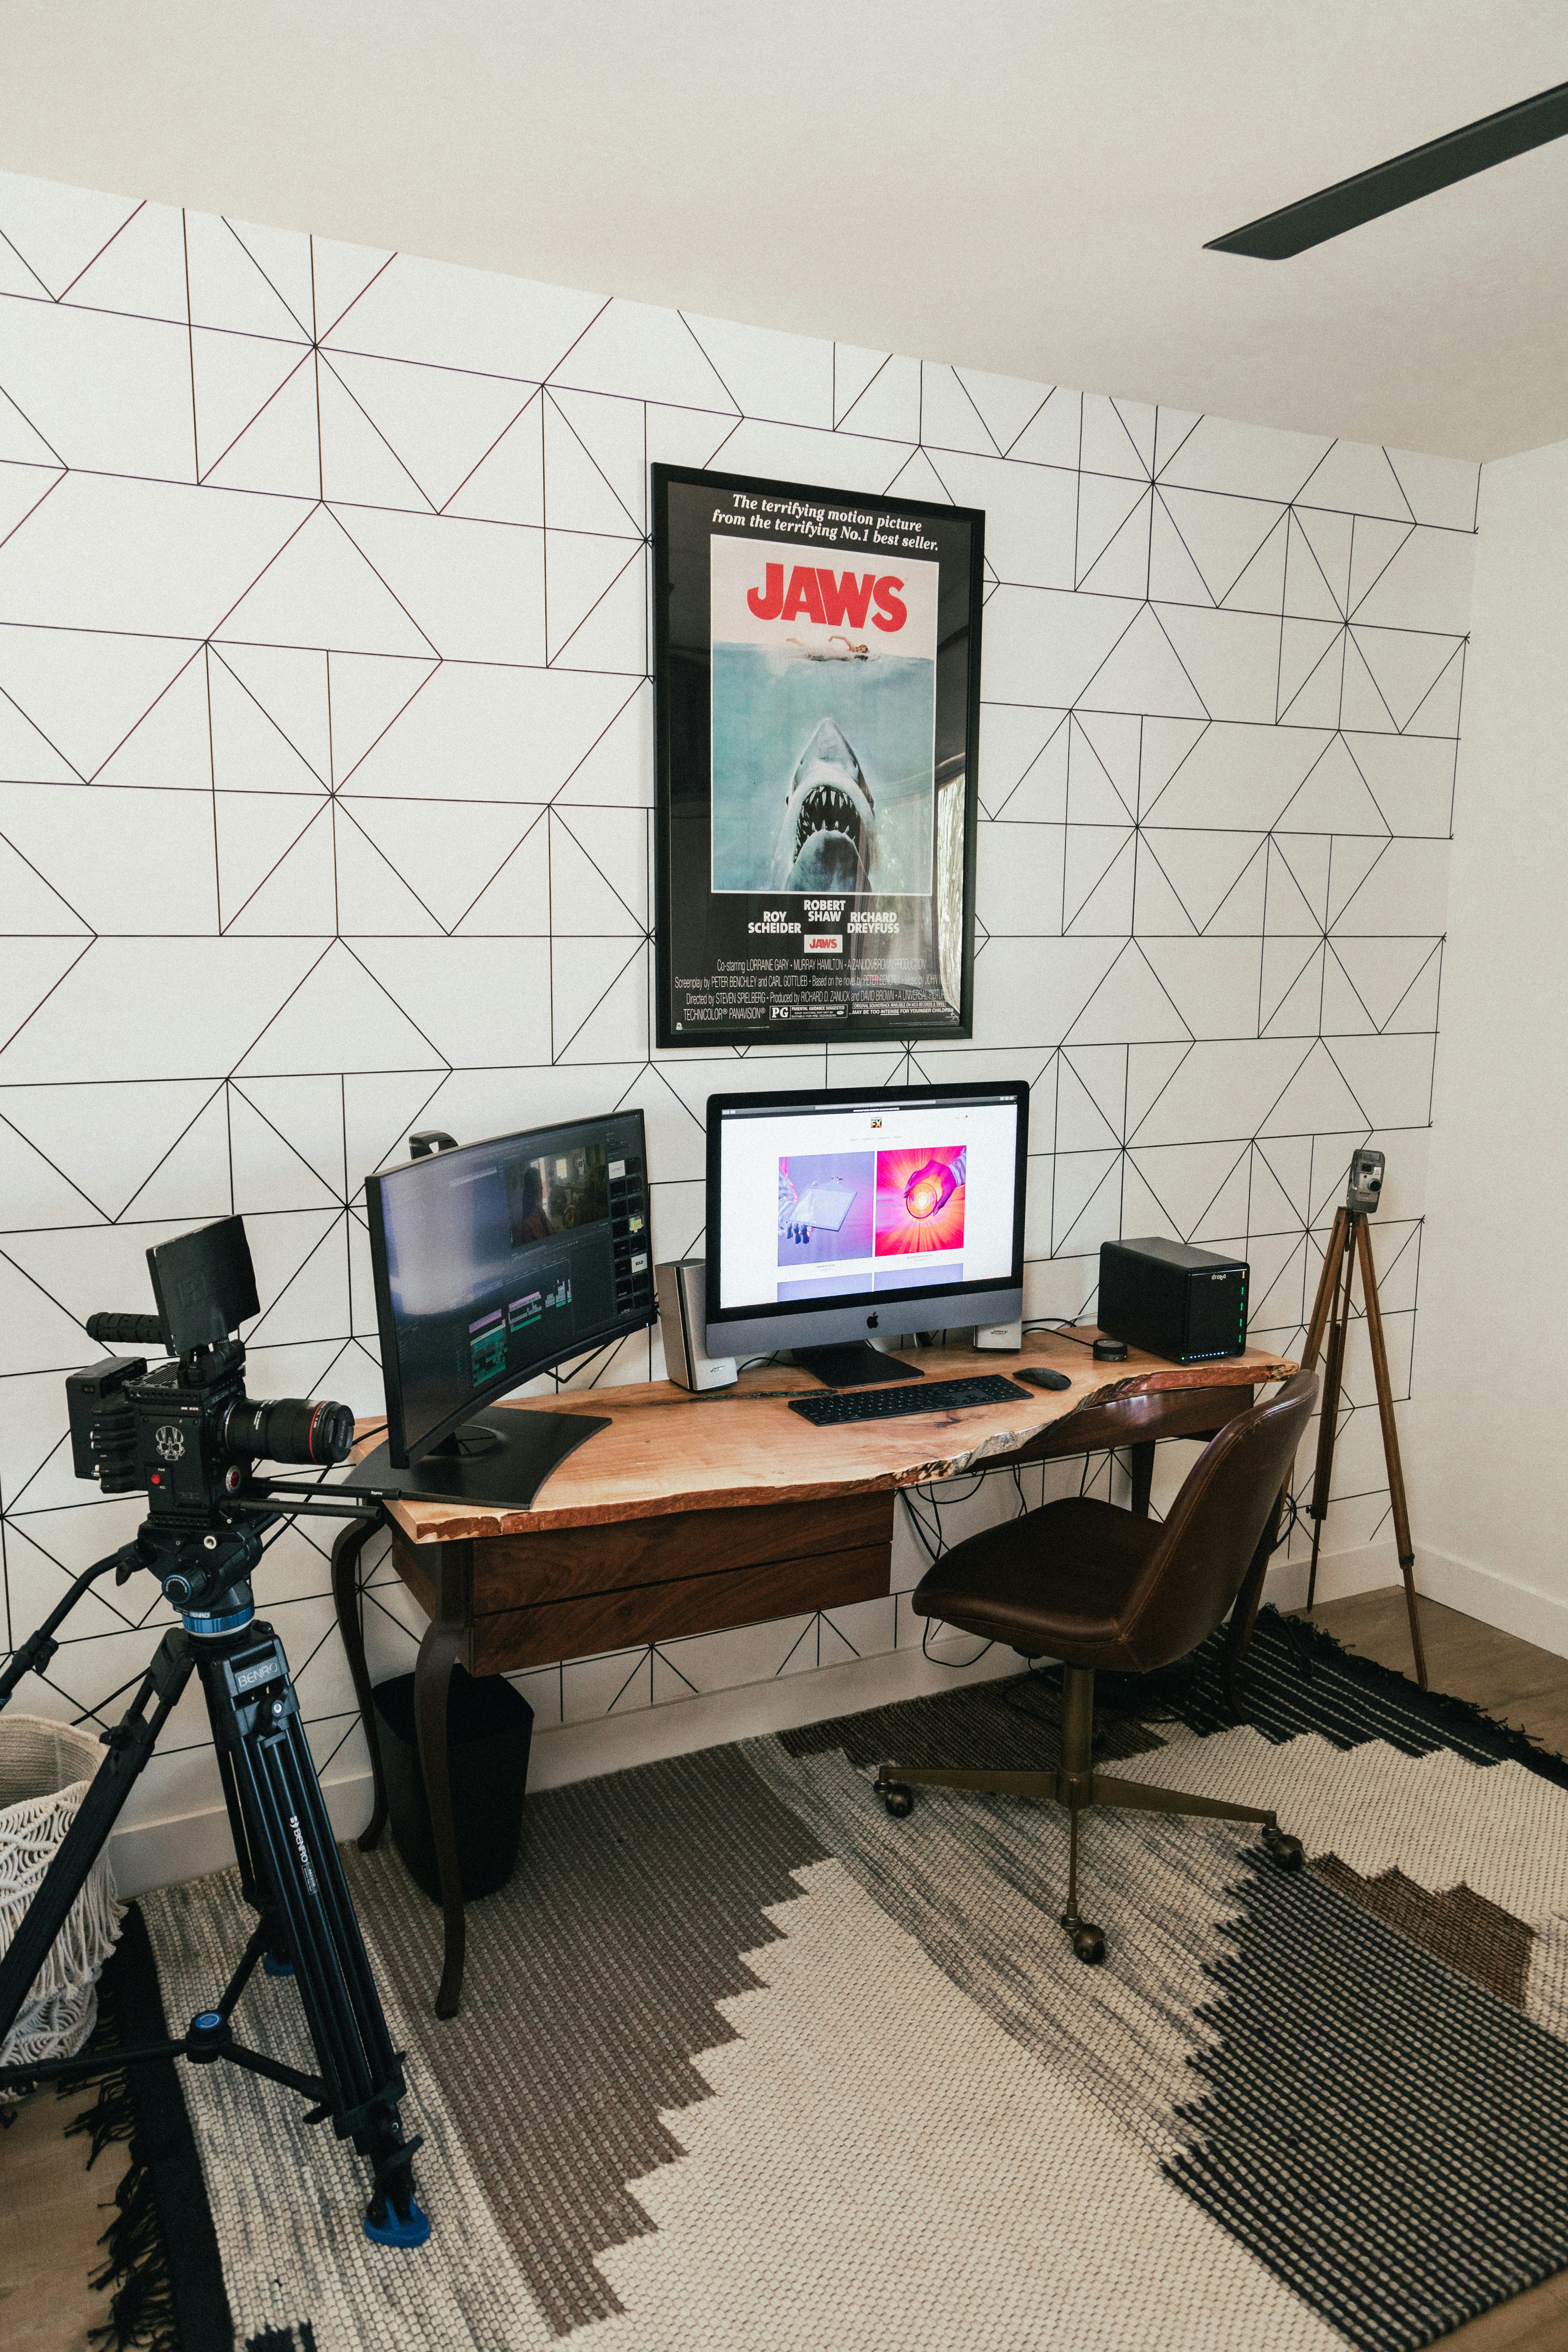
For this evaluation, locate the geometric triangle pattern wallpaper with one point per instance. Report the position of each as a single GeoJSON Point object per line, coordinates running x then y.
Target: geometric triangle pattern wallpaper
{"type": "Point", "coordinates": [326, 785]}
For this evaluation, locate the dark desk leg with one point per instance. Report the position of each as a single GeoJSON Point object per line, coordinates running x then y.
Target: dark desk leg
{"type": "Point", "coordinates": [345, 1596]}
{"type": "Point", "coordinates": [1244, 1614]}
{"type": "Point", "coordinates": [438, 1654]}
{"type": "Point", "coordinates": [1143, 1468]}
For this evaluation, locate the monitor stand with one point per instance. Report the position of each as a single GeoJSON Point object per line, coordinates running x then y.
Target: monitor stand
{"type": "Point", "coordinates": [855, 1365]}
{"type": "Point", "coordinates": [497, 1464]}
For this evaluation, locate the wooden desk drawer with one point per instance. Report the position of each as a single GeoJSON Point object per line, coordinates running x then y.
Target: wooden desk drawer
{"type": "Point", "coordinates": [504, 1640]}
{"type": "Point", "coordinates": [568, 1592]}
{"type": "Point", "coordinates": [560, 1563]}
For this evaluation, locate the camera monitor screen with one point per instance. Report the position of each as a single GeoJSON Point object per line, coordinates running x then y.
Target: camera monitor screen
{"type": "Point", "coordinates": [494, 1263]}
{"type": "Point", "coordinates": [204, 1285]}
{"type": "Point", "coordinates": [841, 1214]}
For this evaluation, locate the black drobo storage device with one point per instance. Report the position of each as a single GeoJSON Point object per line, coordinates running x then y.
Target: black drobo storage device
{"type": "Point", "coordinates": [1184, 1304]}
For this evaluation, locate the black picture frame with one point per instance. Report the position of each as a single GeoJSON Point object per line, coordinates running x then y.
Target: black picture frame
{"type": "Point", "coordinates": [734, 965]}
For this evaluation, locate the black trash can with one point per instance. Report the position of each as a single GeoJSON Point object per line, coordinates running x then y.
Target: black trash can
{"type": "Point", "coordinates": [489, 1726]}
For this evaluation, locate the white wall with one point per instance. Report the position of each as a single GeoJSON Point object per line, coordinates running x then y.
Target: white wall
{"type": "Point", "coordinates": [326, 781]}
{"type": "Point", "coordinates": [1487, 1466]}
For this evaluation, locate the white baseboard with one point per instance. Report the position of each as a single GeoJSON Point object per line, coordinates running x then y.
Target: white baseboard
{"type": "Point", "coordinates": [187, 1845]}
{"type": "Point", "coordinates": [1501, 1601]}
{"type": "Point", "coordinates": [164, 1853]}
{"type": "Point", "coordinates": [580, 1751]}
{"type": "Point", "coordinates": [1364, 1567]}
{"type": "Point", "coordinates": [1520, 1609]}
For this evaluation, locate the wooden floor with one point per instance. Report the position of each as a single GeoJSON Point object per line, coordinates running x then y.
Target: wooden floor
{"type": "Point", "coordinates": [50, 2226]}
{"type": "Point", "coordinates": [50, 2204]}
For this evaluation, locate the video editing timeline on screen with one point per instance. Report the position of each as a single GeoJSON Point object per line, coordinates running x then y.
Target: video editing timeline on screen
{"type": "Point", "coordinates": [554, 1196]}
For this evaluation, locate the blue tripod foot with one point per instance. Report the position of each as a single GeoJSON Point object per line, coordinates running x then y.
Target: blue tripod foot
{"type": "Point", "coordinates": [273, 1967]}
{"type": "Point", "coordinates": [395, 2232]}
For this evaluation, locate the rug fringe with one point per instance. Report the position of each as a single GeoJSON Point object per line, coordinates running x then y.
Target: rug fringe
{"type": "Point", "coordinates": [1513, 1745]}
{"type": "Point", "coordinates": [111, 2118]}
{"type": "Point", "coordinates": [142, 2316]}
{"type": "Point", "coordinates": [142, 2309]}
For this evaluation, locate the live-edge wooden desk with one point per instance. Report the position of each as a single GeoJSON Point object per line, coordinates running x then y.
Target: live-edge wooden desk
{"type": "Point", "coordinates": [691, 1514]}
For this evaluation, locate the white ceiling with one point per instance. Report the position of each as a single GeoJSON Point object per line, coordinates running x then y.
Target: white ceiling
{"type": "Point", "coordinates": [1020, 187]}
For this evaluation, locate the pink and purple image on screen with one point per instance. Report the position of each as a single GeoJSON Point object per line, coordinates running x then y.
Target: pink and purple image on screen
{"type": "Point", "coordinates": [920, 1200]}
{"type": "Point", "coordinates": [825, 1207]}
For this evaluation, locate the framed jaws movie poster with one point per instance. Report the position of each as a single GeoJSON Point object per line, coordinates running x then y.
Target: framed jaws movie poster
{"type": "Point", "coordinates": [818, 693]}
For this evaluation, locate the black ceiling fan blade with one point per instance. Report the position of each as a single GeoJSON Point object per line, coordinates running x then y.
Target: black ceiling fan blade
{"type": "Point", "coordinates": [1403, 178]}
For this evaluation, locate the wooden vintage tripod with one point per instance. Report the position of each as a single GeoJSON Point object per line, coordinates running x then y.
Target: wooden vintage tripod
{"type": "Point", "coordinates": [1350, 1243]}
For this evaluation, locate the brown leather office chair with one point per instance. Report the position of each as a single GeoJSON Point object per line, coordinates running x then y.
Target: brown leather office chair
{"type": "Point", "coordinates": [1096, 1586]}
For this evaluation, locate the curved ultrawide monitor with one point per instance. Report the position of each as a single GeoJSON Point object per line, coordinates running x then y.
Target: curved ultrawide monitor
{"type": "Point", "coordinates": [841, 1214]}
{"type": "Point", "coordinates": [495, 1263]}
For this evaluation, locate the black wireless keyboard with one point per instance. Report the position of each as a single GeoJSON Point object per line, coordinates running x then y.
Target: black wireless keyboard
{"type": "Point", "coordinates": [909, 1396]}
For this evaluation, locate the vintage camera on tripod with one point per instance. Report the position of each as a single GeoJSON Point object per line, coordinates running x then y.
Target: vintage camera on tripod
{"type": "Point", "coordinates": [1367, 1182]}
{"type": "Point", "coordinates": [187, 1433]}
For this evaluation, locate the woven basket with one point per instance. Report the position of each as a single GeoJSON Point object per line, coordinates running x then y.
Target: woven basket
{"type": "Point", "coordinates": [44, 1768]}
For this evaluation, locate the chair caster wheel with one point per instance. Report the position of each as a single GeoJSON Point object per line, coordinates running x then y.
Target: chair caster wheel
{"type": "Point", "coordinates": [899, 1800]}
{"type": "Point", "coordinates": [1285, 1852]}
{"type": "Point", "coordinates": [1088, 1942]}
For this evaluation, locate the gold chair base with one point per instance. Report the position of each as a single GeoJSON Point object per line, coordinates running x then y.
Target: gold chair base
{"type": "Point", "coordinates": [1078, 1787]}
{"type": "Point", "coordinates": [1052, 1788]}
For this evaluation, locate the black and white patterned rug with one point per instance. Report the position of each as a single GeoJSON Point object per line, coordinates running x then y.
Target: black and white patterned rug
{"type": "Point", "coordinates": [743, 2062]}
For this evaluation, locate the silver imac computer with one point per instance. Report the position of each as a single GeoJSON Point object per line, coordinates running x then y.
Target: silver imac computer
{"type": "Point", "coordinates": [840, 1215]}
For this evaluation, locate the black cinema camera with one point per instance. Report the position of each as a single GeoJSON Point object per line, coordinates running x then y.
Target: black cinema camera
{"type": "Point", "coordinates": [187, 1433]}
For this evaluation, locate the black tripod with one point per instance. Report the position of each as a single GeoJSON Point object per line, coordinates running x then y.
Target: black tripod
{"type": "Point", "coordinates": [290, 1869]}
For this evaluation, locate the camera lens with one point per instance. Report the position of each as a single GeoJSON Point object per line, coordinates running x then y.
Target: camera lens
{"type": "Point", "coordinates": [290, 1429]}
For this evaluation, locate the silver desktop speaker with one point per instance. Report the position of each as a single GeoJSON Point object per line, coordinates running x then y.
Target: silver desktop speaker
{"type": "Point", "coordinates": [1003, 1338]}
{"type": "Point", "coordinates": [681, 1289]}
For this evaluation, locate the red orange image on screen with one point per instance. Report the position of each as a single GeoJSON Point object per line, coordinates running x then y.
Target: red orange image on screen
{"type": "Point", "coordinates": [920, 1200]}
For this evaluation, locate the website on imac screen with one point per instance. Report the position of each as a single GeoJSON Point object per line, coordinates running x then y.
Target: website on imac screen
{"type": "Point", "coordinates": [834, 1203]}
